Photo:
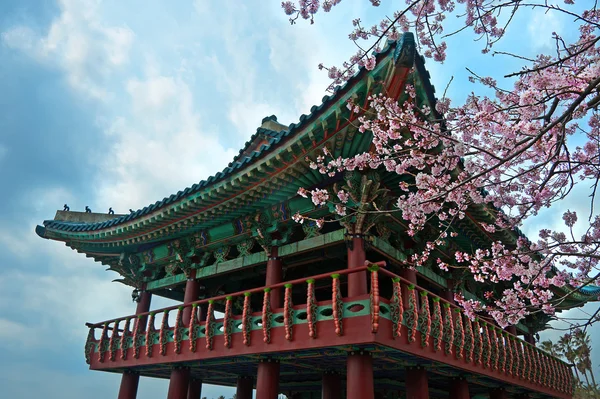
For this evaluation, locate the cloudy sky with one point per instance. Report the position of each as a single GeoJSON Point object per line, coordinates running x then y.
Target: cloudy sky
{"type": "Point", "coordinates": [119, 104]}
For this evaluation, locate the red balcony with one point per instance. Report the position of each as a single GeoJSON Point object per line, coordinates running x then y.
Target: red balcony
{"type": "Point", "coordinates": [412, 327]}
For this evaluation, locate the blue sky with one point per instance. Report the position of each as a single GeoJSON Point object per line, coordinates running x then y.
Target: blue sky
{"type": "Point", "coordinates": [119, 104]}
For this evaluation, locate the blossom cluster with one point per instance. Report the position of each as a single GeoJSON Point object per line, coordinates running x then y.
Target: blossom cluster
{"type": "Point", "coordinates": [509, 153]}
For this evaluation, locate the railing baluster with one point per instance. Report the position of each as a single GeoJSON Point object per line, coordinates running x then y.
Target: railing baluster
{"type": "Point", "coordinates": [424, 319]}
{"type": "Point", "coordinates": [509, 354]}
{"type": "Point", "coordinates": [136, 337]}
{"type": "Point", "coordinates": [162, 337]}
{"type": "Point", "coordinates": [478, 344]}
{"type": "Point", "coordinates": [288, 312]}
{"type": "Point", "coordinates": [124, 338]}
{"type": "Point", "coordinates": [209, 326]}
{"type": "Point", "coordinates": [89, 345]}
{"type": "Point", "coordinates": [227, 322]}
{"type": "Point", "coordinates": [494, 348]}
{"type": "Point", "coordinates": [448, 329]}
{"type": "Point", "coordinates": [246, 319]}
{"type": "Point", "coordinates": [459, 334]}
{"type": "Point", "coordinates": [412, 314]}
{"type": "Point", "coordinates": [336, 304]}
{"type": "Point", "coordinates": [523, 357]}
{"type": "Point", "coordinates": [311, 308]}
{"type": "Point", "coordinates": [437, 326]}
{"type": "Point", "coordinates": [193, 328]}
{"type": "Point", "coordinates": [469, 340]}
{"type": "Point", "coordinates": [112, 342]}
{"type": "Point", "coordinates": [487, 350]}
{"type": "Point", "coordinates": [397, 308]}
{"type": "Point", "coordinates": [102, 343]}
{"type": "Point", "coordinates": [374, 298]}
{"type": "Point", "coordinates": [266, 317]}
{"type": "Point", "coordinates": [177, 330]}
{"type": "Point", "coordinates": [150, 332]}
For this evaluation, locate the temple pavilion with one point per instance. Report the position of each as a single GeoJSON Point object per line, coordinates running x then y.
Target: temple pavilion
{"type": "Point", "coordinates": [326, 312]}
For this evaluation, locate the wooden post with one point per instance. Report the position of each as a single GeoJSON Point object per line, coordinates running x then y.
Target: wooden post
{"type": "Point", "coordinates": [130, 379]}
{"type": "Point", "coordinates": [359, 376]}
{"type": "Point", "coordinates": [459, 389]}
{"type": "Point", "coordinates": [179, 382]}
{"type": "Point", "coordinates": [129, 385]}
{"type": "Point", "coordinates": [244, 387]}
{"type": "Point", "coordinates": [411, 276]}
{"type": "Point", "coordinates": [194, 389]}
{"type": "Point", "coordinates": [331, 386]}
{"type": "Point", "coordinates": [267, 380]}
{"type": "Point", "coordinates": [417, 386]}
{"type": "Point", "coordinates": [192, 291]}
{"type": "Point", "coordinates": [357, 282]}
{"type": "Point", "coordinates": [274, 276]}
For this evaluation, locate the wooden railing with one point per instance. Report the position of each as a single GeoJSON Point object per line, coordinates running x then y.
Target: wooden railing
{"type": "Point", "coordinates": [417, 318]}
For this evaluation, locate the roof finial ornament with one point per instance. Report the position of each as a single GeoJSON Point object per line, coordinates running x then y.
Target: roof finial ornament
{"type": "Point", "coordinates": [66, 208]}
{"type": "Point", "coordinates": [131, 210]}
{"type": "Point", "coordinates": [87, 209]}
{"type": "Point", "coordinates": [110, 211]}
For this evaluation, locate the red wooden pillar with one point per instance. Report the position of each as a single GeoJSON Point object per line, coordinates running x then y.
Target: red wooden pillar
{"type": "Point", "coordinates": [194, 389]}
{"type": "Point", "coordinates": [192, 291]}
{"type": "Point", "coordinates": [498, 393]}
{"type": "Point", "coordinates": [417, 386]}
{"type": "Point", "coordinates": [130, 380]}
{"type": "Point", "coordinates": [274, 276]}
{"type": "Point", "coordinates": [512, 330]}
{"type": "Point", "coordinates": [129, 385]}
{"type": "Point", "coordinates": [359, 376]}
{"type": "Point", "coordinates": [178, 385]}
{"type": "Point", "coordinates": [331, 386]}
{"type": "Point", "coordinates": [459, 389]}
{"type": "Point", "coordinates": [244, 387]}
{"type": "Point", "coordinates": [357, 282]}
{"type": "Point", "coordinates": [448, 293]}
{"type": "Point", "coordinates": [267, 380]}
{"type": "Point", "coordinates": [411, 276]}
{"type": "Point", "coordinates": [529, 339]}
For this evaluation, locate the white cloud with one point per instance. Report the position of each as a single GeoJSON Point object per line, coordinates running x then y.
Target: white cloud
{"type": "Point", "coordinates": [80, 44]}
{"type": "Point", "coordinates": [541, 26]}
{"type": "Point", "coordinates": [161, 147]}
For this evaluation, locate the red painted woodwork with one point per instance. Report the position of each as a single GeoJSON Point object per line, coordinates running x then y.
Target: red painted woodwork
{"type": "Point", "coordinates": [192, 291]}
{"type": "Point", "coordinates": [274, 276]}
{"type": "Point", "coordinates": [359, 376]}
{"type": "Point", "coordinates": [357, 331]}
{"type": "Point", "coordinates": [498, 393]}
{"type": "Point", "coordinates": [143, 306]}
{"type": "Point", "coordinates": [459, 389]}
{"type": "Point", "coordinates": [529, 339]}
{"type": "Point", "coordinates": [244, 387]}
{"type": "Point", "coordinates": [129, 385]}
{"type": "Point", "coordinates": [194, 389]}
{"type": "Point", "coordinates": [357, 282]}
{"type": "Point", "coordinates": [417, 386]}
{"type": "Point", "coordinates": [178, 385]}
{"type": "Point", "coordinates": [511, 330]}
{"type": "Point", "coordinates": [331, 386]}
{"type": "Point", "coordinates": [267, 379]}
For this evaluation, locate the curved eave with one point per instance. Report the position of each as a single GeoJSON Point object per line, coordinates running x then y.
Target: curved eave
{"type": "Point", "coordinates": [195, 196]}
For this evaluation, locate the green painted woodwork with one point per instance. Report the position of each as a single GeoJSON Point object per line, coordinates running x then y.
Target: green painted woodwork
{"type": "Point", "coordinates": [252, 259]}
{"type": "Point", "coordinates": [166, 282]}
